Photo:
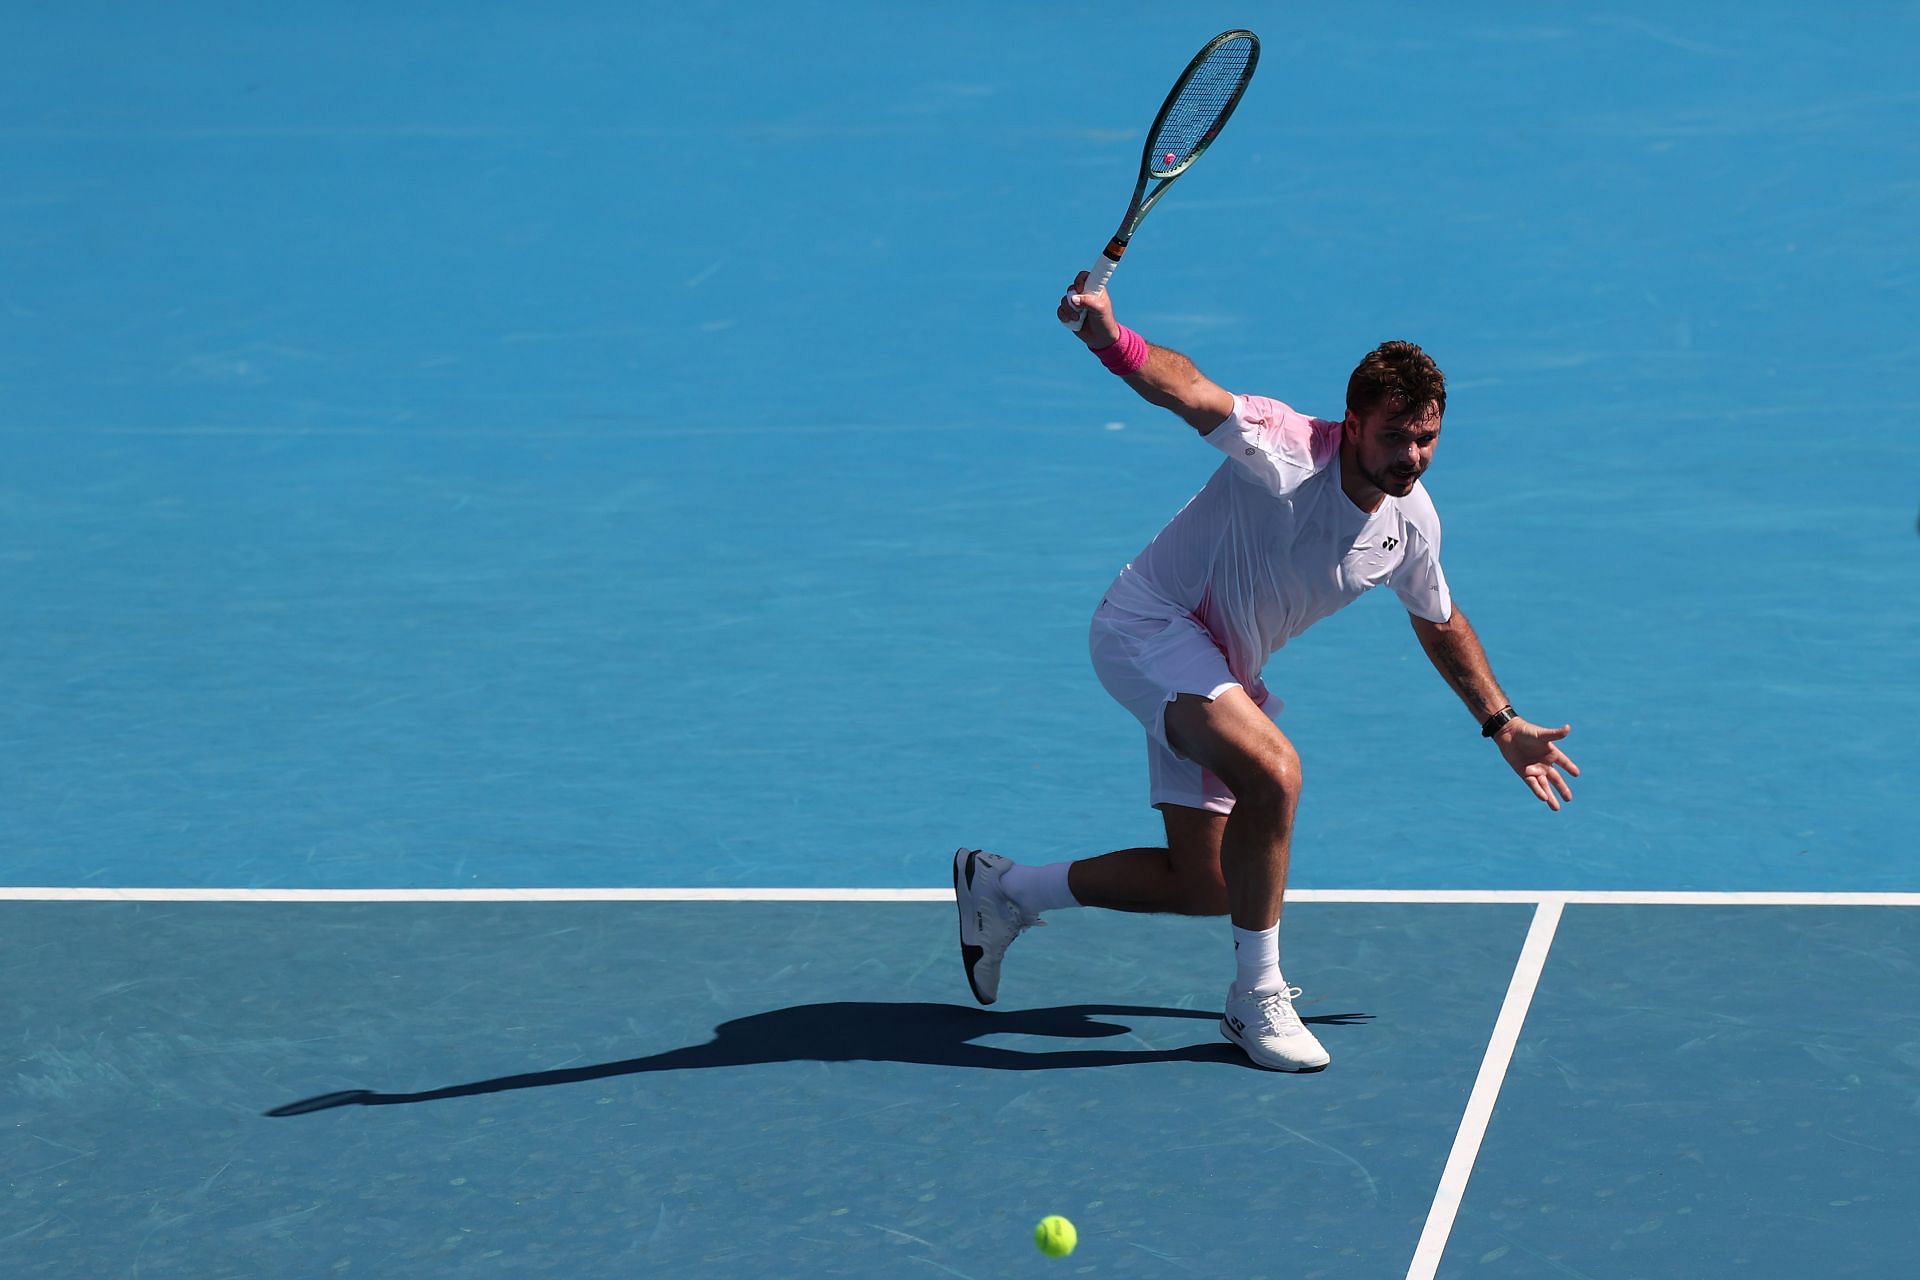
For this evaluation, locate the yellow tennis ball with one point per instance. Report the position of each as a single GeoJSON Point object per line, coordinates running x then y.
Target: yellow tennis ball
{"type": "Point", "coordinates": [1055, 1236]}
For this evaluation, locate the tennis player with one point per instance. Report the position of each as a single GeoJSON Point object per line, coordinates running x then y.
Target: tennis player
{"type": "Point", "coordinates": [1303, 517]}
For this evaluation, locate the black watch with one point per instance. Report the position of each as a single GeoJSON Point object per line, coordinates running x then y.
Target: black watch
{"type": "Point", "coordinates": [1495, 722]}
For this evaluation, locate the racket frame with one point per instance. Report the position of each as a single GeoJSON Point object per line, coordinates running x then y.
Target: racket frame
{"type": "Point", "coordinates": [1137, 207]}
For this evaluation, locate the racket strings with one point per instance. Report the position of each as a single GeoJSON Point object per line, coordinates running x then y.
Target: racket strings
{"type": "Point", "coordinates": [1204, 101]}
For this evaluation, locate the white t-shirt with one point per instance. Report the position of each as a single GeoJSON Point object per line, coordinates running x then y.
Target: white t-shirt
{"type": "Point", "coordinates": [1272, 544]}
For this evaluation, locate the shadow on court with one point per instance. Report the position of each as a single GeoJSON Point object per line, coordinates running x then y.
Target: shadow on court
{"type": "Point", "coordinates": [864, 1031]}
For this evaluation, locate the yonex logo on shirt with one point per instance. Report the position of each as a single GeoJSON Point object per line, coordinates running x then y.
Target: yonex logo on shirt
{"type": "Point", "coordinates": [1390, 544]}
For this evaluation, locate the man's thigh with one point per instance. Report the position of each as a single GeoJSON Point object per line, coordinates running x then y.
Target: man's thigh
{"type": "Point", "coordinates": [1231, 736]}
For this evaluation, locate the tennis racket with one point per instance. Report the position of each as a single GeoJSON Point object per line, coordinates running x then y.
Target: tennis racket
{"type": "Point", "coordinates": [1190, 119]}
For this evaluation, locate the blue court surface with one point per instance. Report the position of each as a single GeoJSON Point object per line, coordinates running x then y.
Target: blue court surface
{"type": "Point", "coordinates": [530, 534]}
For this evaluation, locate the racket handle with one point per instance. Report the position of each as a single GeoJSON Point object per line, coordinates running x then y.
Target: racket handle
{"type": "Point", "coordinates": [1097, 277]}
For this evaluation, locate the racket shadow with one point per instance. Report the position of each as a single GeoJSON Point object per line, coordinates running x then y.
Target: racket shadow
{"type": "Point", "coordinates": [916, 1033]}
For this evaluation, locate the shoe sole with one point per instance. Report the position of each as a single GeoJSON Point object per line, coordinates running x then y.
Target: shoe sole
{"type": "Point", "coordinates": [970, 953]}
{"type": "Point", "coordinates": [1241, 1045]}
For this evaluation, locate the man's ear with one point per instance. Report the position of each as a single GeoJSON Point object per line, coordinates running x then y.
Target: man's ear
{"type": "Point", "coordinates": [1350, 428]}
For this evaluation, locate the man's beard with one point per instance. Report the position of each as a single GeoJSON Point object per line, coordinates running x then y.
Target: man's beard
{"type": "Point", "coordinates": [1396, 483]}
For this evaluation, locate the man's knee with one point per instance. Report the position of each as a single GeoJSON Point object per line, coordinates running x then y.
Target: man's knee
{"type": "Point", "coordinates": [1268, 781]}
{"type": "Point", "coordinates": [1235, 739]}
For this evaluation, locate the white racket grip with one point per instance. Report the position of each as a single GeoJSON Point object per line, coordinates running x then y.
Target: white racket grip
{"type": "Point", "coordinates": [1097, 277]}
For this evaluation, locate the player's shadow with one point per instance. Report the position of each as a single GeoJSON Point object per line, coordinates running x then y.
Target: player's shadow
{"type": "Point", "coordinates": [928, 1034]}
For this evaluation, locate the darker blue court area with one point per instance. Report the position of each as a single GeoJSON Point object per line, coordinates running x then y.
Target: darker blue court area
{"type": "Point", "coordinates": [1708, 1091]}
{"type": "Point", "coordinates": [749, 1089]}
{"type": "Point", "coordinates": [730, 1089]}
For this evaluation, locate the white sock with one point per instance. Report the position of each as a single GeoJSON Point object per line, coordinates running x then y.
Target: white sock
{"type": "Point", "coordinates": [1256, 953]}
{"type": "Point", "coordinates": [1037, 889]}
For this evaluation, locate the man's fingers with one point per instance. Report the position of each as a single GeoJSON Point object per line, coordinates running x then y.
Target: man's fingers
{"type": "Point", "coordinates": [1076, 291]}
{"type": "Point", "coordinates": [1554, 735]}
{"type": "Point", "coordinates": [1538, 780]}
{"type": "Point", "coordinates": [1541, 777]}
{"type": "Point", "coordinates": [1073, 306]}
{"type": "Point", "coordinates": [1565, 761]}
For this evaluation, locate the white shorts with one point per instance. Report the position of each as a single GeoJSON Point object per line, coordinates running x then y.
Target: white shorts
{"type": "Point", "coordinates": [1147, 662]}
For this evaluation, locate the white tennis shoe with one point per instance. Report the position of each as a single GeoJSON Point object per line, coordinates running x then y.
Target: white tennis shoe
{"type": "Point", "coordinates": [989, 920]}
{"type": "Point", "coordinates": [1267, 1029]}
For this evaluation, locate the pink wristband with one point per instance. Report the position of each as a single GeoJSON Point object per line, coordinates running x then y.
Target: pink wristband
{"type": "Point", "coordinates": [1126, 355]}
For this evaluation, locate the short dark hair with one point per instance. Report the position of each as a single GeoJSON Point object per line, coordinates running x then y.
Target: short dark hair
{"type": "Point", "coordinates": [1399, 376]}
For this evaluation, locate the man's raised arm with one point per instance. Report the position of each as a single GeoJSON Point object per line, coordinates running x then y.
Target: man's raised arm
{"type": "Point", "coordinates": [1160, 375]}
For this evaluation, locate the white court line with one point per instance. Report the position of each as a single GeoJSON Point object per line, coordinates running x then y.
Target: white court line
{"type": "Point", "coordinates": [1486, 1091]}
{"type": "Point", "coordinates": [89, 894]}
{"type": "Point", "coordinates": [1619, 897]}
{"type": "Point", "coordinates": [1612, 897]}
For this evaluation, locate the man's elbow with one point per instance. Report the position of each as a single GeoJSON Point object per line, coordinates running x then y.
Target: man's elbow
{"type": "Point", "coordinates": [1206, 405]}
{"type": "Point", "coordinates": [1427, 627]}
{"type": "Point", "coordinates": [1203, 418]}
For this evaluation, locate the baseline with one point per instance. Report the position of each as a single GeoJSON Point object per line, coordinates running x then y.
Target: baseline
{"type": "Point", "coordinates": [1538, 897]}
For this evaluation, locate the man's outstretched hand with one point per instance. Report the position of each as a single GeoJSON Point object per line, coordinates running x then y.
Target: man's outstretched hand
{"type": "Point", "coordinates": [1535, 755]}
